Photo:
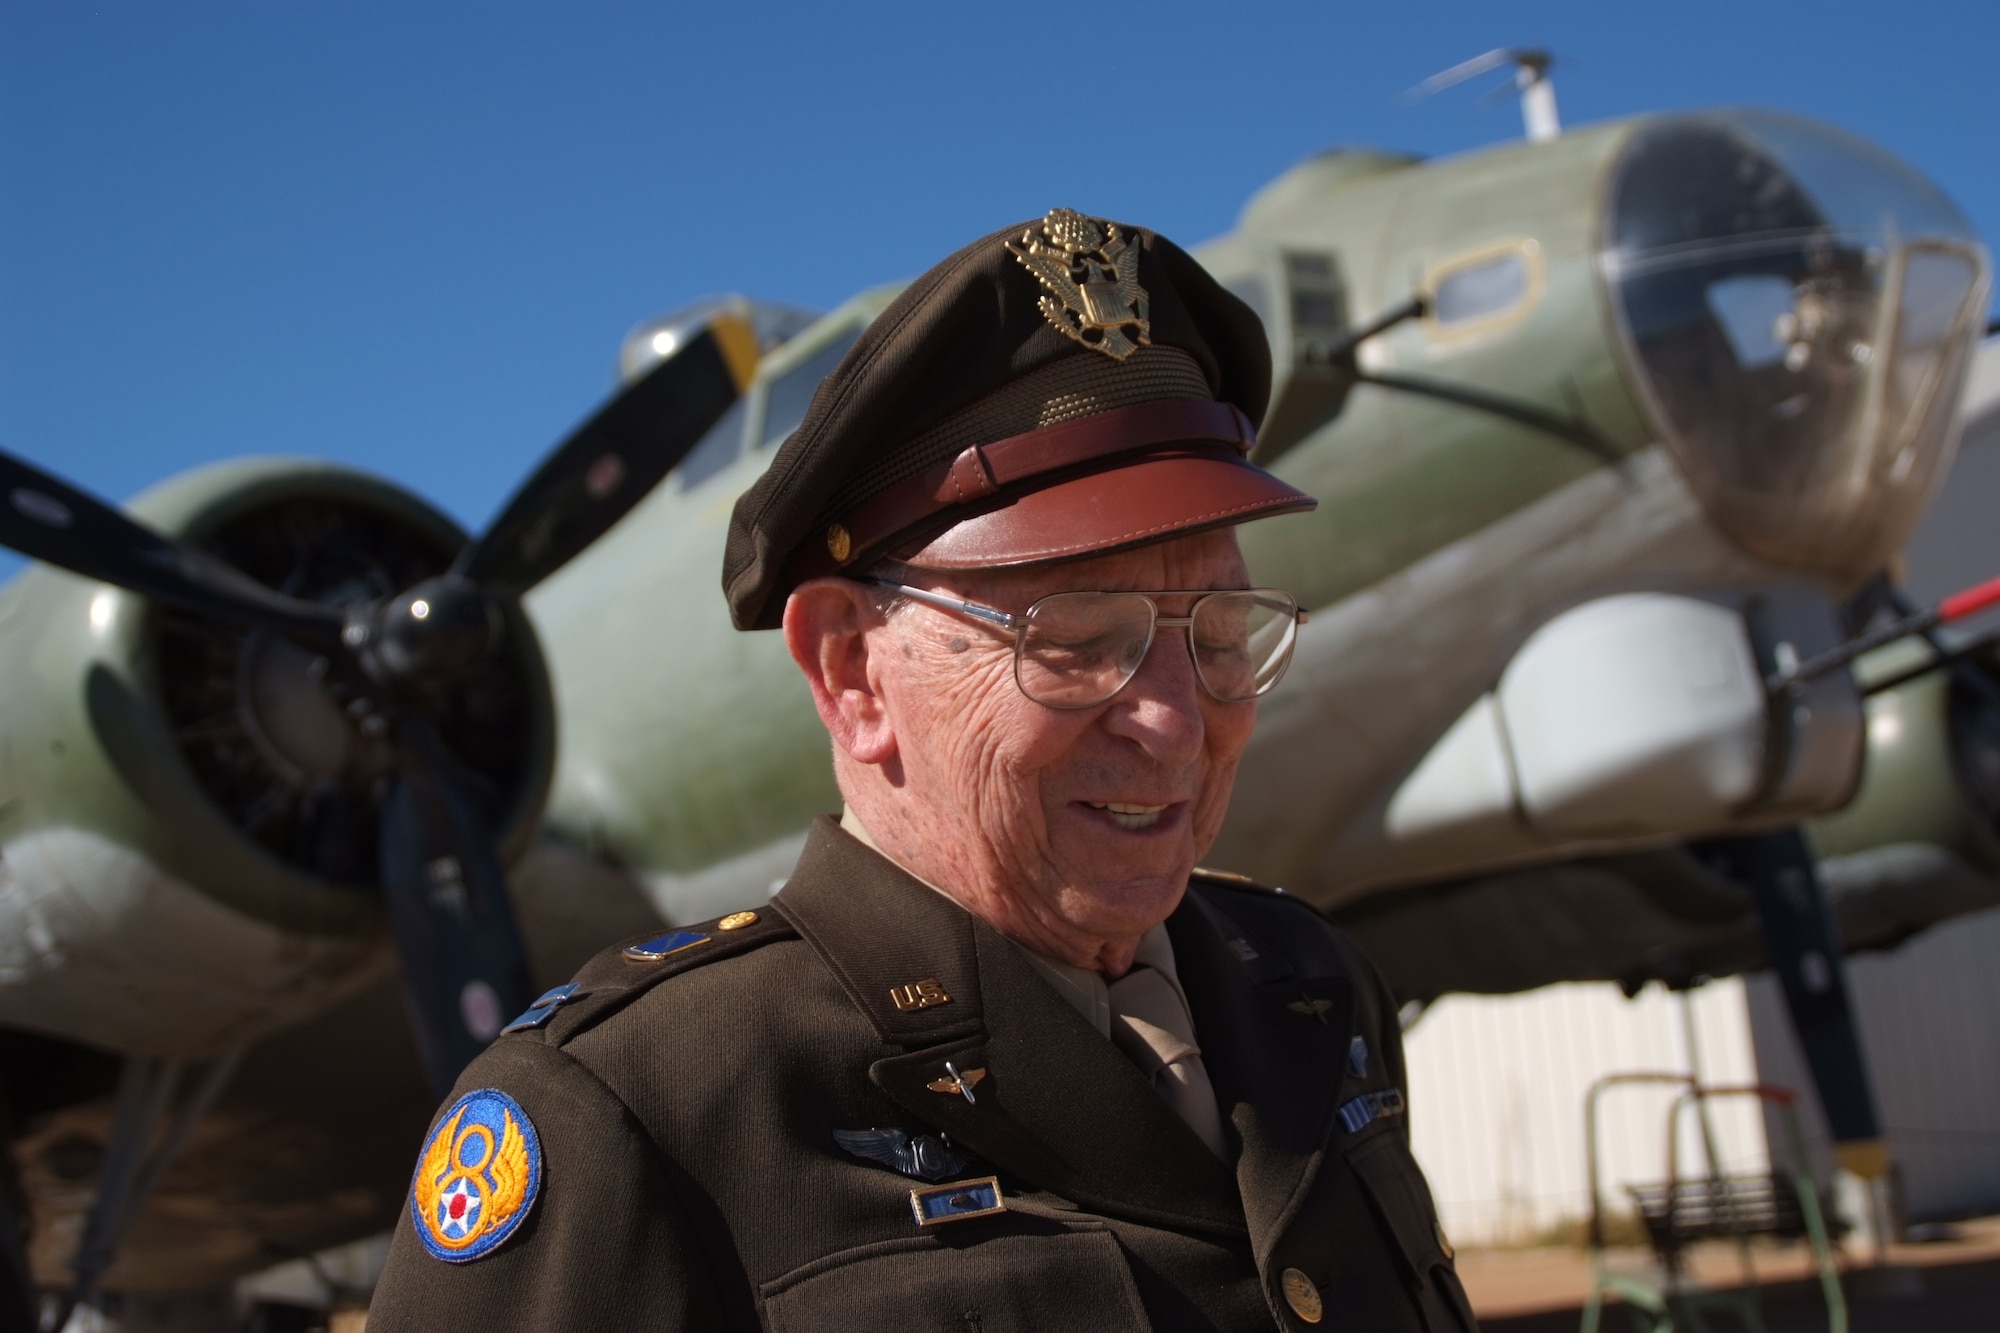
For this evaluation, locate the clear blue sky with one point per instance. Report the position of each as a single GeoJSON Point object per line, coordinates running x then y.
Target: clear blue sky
{"type": "Point", "coordinates": [410, 235]}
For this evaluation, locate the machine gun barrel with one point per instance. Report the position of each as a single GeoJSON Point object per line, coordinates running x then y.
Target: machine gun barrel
{"type": "Point", "coordinates": [1955, 607]}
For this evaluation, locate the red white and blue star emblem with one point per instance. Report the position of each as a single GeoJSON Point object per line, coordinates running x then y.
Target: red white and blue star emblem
{"type": "Point", "coordinates": [458, 1208]}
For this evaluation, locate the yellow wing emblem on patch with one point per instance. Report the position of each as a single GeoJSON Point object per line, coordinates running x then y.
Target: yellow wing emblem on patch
{"type": "Point", "coordinates": [509, 1174]}
{"type": "Point", "coordinates": [429, 1184]}
{"type": "Point", "coordinates": [478, 1177]}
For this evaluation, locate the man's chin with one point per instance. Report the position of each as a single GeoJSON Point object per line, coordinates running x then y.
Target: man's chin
{"type": "Point", "coordinates": [1111, 909]}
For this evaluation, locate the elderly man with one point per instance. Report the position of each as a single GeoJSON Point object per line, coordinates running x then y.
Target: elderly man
{"type": "Point", "coordinates": [998, 1056]}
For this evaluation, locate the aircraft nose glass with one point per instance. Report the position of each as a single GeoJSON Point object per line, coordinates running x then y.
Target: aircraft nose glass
{"type": "Point", "coordinates": [1800, 310]}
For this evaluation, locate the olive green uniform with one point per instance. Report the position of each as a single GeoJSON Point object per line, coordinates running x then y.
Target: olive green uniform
{"type": "Point", "coordinates": [687, 1108]}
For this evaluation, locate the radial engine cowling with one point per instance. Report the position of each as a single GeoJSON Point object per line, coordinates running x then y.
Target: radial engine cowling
{"type": "Point", "coordinates": [188, 810]}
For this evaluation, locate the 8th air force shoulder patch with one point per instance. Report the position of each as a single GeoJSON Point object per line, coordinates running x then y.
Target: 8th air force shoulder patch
{"type": "Point", "coordinates": [477, 1178]}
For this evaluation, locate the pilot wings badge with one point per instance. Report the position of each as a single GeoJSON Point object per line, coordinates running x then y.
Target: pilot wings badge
{"type": "Point", "coordinates": [1091, 273]}
{"type": "Point", "coordinates": [480, 1171]}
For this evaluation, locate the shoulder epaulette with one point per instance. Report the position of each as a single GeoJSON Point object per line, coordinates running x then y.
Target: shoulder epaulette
{"type": "Point", "coordinates": [1274, 915]}
{"type": "Point", "coordinates": [1229, 879]}
{"type": "Point", "coordinates": [624, 972]}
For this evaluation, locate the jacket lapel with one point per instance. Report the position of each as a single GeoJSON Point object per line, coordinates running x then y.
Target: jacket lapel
{"type": "Point", "coordinates": [1275, 1046]}
{"type": "Point", "coordinates": [1058, 1105]}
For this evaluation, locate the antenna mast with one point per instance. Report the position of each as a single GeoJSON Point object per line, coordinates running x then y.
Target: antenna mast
{"type": "Point", "coordinates": [1531, 79]}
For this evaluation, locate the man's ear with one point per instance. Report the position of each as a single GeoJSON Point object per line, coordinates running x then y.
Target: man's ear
{"type": "Point", "coordinates": [826, 630]}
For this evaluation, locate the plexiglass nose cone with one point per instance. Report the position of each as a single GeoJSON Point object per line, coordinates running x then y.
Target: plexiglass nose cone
{"type": "Point", "coordinates": [1798, 309]}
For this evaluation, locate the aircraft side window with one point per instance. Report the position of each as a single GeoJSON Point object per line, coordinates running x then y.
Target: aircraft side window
{"type": "Point", "coordinates": [791, 393]}
{"type": "Point", "coordinates": [1494, 286]}
{"type": "Point", "coordinates": [715, 450]}
{"type": "Point", "coordinates": [1319, 299]}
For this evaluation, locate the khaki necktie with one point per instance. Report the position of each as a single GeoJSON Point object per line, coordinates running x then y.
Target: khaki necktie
{"type": "Point", "coordinates": [1150, 1024]}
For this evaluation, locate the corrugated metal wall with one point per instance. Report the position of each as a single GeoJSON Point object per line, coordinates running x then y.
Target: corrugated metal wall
{"type": "Point", "coordinates": [1497, 1088]}
{"type": "Point", "coordinates": [1930, 1030]}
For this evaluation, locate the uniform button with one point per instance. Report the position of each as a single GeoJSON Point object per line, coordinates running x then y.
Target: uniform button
{"type": "Point", "coordinates": [736, 921]}
{"type": "Point", "coordinates": [1444, 1241]}
{"type": "Point", "coordinates": [1301, 1295]}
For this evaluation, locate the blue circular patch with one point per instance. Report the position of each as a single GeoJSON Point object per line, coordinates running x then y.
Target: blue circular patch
{"type": "Point", "coordinates": [477, 1178]}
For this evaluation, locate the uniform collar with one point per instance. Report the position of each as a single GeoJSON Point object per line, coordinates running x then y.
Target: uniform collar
{"type": "Point", "coordinates": [1083, 988]}
{"type": "Point", "coordinates": [882, 934]}
{"type": "Point", "coordinates": [1274, 1041]}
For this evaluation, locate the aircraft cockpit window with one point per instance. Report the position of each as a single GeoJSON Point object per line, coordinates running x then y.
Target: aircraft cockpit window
{"type": "Point", "coordinates": [791, 393]}
{"type": "Point", "coordinates": [1756, 315]}
{"type": "Point", "coordinates": [1474, 292]}
{"type": "Point", "coordinates": [715, 451]}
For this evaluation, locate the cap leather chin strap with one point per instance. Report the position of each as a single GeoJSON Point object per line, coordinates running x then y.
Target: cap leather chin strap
{"type": "Point", "coordinates": [984, 470]}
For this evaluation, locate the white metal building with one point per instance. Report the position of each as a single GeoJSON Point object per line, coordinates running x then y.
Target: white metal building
{"type": "Point", "coordinates": [1497, 1087]}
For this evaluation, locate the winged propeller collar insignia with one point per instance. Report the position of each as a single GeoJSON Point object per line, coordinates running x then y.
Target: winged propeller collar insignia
{"type": "Point", "coordinates": [1090, 273]}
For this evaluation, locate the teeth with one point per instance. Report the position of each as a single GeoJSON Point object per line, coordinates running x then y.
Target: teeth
{"type": "Point", "coordinates": [1128, 816]}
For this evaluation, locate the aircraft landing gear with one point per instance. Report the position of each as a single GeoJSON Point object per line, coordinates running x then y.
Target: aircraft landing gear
{"type": "Point", "coordinates": [148, 1130]}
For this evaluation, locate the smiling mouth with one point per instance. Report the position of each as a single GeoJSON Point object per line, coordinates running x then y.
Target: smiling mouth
{"type": "Point", "coordinates": [1133, 817]}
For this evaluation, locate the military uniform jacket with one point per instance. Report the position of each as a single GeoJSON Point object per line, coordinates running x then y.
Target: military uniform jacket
{"type": "Point", "coordinates": [686, 1111]}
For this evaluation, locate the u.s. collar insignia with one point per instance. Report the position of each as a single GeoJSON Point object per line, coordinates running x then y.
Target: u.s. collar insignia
{"type": "Point", "coordinates": [1092, 276]}
{"type": "Point", "coordinates": [480, 1171]}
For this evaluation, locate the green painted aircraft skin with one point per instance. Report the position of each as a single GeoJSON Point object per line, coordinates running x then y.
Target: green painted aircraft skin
{"type": "Point", "coordinates": [1398, 477]}
{"type": "Point", "coordinates": [1910, 789]}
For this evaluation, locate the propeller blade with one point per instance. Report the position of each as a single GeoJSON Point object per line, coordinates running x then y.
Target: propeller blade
{"type": "Point", "coordinates": [614, 460]}
{"type": "Point", "coordinates": [1803, 945]}
{"type": "Point", "coordinates": [465, 970]}
{"type": "Point", "coordinates": [49, 520]}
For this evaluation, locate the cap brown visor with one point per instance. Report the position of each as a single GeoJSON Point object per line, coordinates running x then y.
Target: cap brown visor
{"type": "Point", "coordinates": [1174, 493]}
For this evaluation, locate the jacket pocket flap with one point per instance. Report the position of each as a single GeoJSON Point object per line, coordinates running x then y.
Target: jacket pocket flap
{"type": "Point", "coordinates": [1068, 1282]}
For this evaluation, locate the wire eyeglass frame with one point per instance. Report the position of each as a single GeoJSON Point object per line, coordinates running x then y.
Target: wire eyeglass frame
{"type": "Point", "coordinates": [1273, 599]}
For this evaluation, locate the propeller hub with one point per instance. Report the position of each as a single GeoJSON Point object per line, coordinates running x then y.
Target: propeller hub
{"type": "Point", "coordinates": [430, 638]}
{"type": "Point", "coordinates": [290, 714]}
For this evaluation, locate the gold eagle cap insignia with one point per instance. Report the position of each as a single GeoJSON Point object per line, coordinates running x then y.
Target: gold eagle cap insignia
{"type": "Point", "coordinates": [1090, 275]}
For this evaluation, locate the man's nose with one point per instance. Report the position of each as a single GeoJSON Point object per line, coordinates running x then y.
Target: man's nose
{"type": "Point", "coordinates": [1160, 707]}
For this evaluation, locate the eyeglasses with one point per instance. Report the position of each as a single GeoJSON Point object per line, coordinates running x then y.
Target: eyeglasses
{"type": "Point", "coordinates": [1078, 649]}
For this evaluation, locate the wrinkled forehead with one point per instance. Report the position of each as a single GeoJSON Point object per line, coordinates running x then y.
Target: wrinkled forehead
{"type": "Point", "coordinates": [1203, 561]}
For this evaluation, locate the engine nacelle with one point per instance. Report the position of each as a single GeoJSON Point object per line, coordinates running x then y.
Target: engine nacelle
{"type": "Point", "coordinates": [188, 810]}
{"type": "Point", "coordinates": [1933, 776]}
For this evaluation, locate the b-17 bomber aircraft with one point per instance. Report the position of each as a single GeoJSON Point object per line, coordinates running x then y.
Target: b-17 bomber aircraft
{"type": "Point", "coordinates": [1617, 435]}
